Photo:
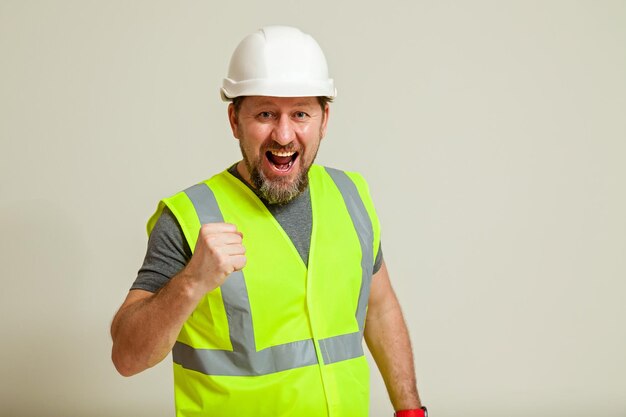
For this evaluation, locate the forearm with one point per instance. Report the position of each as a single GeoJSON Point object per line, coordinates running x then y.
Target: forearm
{"type": "Point", "coordinates": [388, 340]}
{"type": "Point", "coordinates": [145, 329]}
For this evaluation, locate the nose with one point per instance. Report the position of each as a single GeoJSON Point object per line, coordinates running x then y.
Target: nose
{"type": "Point", "coordinates": [283, 131]}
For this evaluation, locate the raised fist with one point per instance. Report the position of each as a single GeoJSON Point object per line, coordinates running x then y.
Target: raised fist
{"type": "Point", "coordinates": [219, 252]}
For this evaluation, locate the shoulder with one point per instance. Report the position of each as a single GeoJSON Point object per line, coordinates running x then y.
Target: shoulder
{"type": "Point", "coordinates": [336, 173]}
{"type": "Point", "coordinates": [178, 205]}
{"type": "Point", "coordinates": [345, 179]}
{"type": "Point", "coordinates": [356, 194]}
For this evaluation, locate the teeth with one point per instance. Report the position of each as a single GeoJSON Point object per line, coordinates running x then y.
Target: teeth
{"type": "Point", "coordinates": [282, 154]}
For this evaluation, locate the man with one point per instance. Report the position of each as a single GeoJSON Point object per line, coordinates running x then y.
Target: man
{"type": "Point", "coordinates": [265, 317]}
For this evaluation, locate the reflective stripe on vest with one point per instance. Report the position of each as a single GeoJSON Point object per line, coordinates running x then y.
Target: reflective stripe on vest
{"type": "Point", "coordinates": [244, 359]}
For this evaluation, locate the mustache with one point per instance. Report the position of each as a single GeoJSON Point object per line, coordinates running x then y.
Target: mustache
{"type": "Point", "coordinates": [290, 147]}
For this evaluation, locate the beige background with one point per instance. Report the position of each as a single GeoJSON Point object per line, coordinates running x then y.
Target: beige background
{"type": "Point", "coordinates": [493, 135]}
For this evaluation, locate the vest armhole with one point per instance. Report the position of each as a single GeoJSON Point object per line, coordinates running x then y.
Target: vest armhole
{"type": "Point", "coordinates": [363, 189]}
{"type": "Point", "coordinates": [182, 209]}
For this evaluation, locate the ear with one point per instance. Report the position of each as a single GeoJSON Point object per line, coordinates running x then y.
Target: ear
{"type": "Point", "coordinates": [324, 121]}
{"type": "Point", "coordinates": [232, 119]}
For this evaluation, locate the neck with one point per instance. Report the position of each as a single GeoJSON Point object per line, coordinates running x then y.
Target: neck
{"type": "Point", "coordinates": [243, 172]}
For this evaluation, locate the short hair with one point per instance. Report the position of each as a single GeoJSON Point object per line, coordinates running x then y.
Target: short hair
{"type": "Point", "coordinates": [237, 101]}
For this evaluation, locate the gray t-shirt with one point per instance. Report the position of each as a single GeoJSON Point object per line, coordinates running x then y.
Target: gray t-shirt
{"type": "Point", "coordinates": [168, 251]}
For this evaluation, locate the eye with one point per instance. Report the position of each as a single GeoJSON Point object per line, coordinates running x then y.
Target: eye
{"type": "Point", "coordinates": [300, 115]}
{"type": "Point", "coordinates": [265, 115]}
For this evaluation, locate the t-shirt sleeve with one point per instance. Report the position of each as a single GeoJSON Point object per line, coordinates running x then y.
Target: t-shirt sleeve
{"type": "Point", "coordinates": [378, 262]}
{"type": "Point", "coordinates": [168, 252]}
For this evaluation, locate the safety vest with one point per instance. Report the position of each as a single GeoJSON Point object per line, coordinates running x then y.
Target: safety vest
{"type": "Point", "coordinates": [279, 338]}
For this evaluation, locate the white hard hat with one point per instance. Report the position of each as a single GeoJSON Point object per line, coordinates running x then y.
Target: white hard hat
{"type": "Point", "coordinates": [279, 61]}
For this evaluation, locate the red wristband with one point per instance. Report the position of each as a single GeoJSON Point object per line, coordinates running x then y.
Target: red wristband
{"type": "Point", "coordinates": [420, 412]}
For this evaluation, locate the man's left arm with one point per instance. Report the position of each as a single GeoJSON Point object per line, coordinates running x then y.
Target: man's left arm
{"type": "Point", "coordinates": [387, 338]}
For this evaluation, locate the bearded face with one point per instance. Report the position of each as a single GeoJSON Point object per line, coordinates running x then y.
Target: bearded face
{"type": "Point", "coordinates": [279, 138]}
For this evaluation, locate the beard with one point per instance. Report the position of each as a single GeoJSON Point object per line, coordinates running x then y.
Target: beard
{"type": "Point", "coordinates": [279, 190]}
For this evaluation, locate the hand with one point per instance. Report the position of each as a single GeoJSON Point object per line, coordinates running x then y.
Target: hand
{"type": "Point", "coordinates": [219, 252]}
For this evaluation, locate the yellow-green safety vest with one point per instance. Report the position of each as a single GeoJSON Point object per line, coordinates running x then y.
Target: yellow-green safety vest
{"type": "Point", "coordinates": [279, 338]}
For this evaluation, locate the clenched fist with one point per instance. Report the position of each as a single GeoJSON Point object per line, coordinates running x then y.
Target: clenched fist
{"type": "Point", "coordinates": [219, 252]}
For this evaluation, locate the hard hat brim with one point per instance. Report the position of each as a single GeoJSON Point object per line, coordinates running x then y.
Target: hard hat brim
{"type": "Point", "coordinates": [287, 88]}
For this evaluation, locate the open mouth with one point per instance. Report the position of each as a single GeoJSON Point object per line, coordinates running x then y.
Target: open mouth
{"type": "Point", "coordinates": [282, 160]}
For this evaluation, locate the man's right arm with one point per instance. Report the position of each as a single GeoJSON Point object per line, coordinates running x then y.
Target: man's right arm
{"type": "Point", "coordinates": [147, 324]}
